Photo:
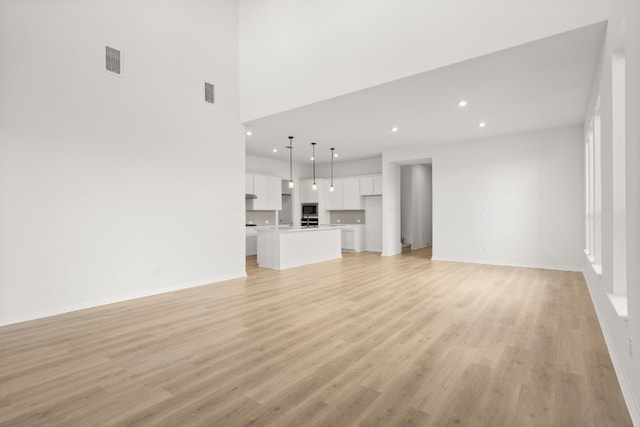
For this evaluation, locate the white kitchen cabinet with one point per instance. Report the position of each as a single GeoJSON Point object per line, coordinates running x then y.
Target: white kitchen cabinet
{"type": "Point", "coordinates": [371, 185]}
{"type": "Point", "coordinates": [324, 215]}
{"type": "Point", "coordinates": [307, 193]}
{"type": "Point", "coordinates": [333, 199]}
{"type": "Point", "coordinates": [251, 241]}
{"type": "Point", "coordinates": [377, 185]}
{"type": "Point", "coordinates": [275, 193]}
{"type": "Point", "coordinates": [348, 239]}
{"type": "Point", "coordinates": [366, 186]}
{"type": "Point", "coordinates": [345, 196]}
{"type": "Point", "coordinates": [351, 199]}
{"type": "Point", "coordinates": [353, 238]}
{"type": "Point", "coordinates": [268, 191]}
{"type": "Point", "coordinates": [248, 184]}
{"type": "Point", "coordinates": [261, 190]}
{"type": "Point", "coordinates": [373, 224]}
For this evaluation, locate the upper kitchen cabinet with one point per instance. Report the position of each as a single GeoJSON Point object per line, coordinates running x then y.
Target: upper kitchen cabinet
{"type": "Point", "coordinates": [377, 185]}
{"type": "Point", "coordinates": [261, 190]}
{"type": "Point", "coordinates": [346, 194]}
{"type": "Point", "coordinates": [307, 193]}
{"type": "Point", "coordinates": [333, 199]}
{"type": "Point", "coordinates": [371, 185]}
{"type": "Point", "coordinates": [351, 199]}
{"type": "Point", "coordinates": [248, 184]}
{"type": "Point", "coordinates": [275, 193]}
{"type": "Point", "coordinates": [268, 191]}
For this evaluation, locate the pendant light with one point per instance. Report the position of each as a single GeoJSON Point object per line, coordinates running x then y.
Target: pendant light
{"type": "Point", "coordinates": [332, 150]}
{"type": "Point", "coordinates": [313, 159]}
{"type": "Point", "coordinates": [290, 147]}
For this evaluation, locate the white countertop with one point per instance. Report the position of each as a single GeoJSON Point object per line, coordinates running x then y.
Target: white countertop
{"type": "Point", "coordinates": [297, 228]}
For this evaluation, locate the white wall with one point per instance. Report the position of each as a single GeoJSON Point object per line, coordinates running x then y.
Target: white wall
{"type": "Point", "coordinates": [625, 15]}
{"type": "Point", "coordinates": [371, 166]}
{"type": "Point", "coordinates": [111, 187]}
{"type": "Point", "coordinates": [296, 52]}
{"type": "Point", "coordinates": [510, 200]}
{"type": "Point", "coordinates": [275, 167]}
{"type": "Point", "coordinates": [631, 367]}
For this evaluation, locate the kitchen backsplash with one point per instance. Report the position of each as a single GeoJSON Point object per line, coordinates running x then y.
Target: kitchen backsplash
{"type": "Point", "coordinates": [335, 217]}
{"type": "Point", "coordinates": [261, 217]}
{"type": "Point", "coordinates": [346, 217]}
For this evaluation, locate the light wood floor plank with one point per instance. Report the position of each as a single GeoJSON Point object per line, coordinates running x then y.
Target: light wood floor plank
{"type": "Point", "coordinates": [364, 340]}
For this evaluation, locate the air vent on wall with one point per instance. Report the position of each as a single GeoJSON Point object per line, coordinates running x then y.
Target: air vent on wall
{"type": "Point", "coordinates": [113, 60]}
{"type": "Point", "coordinates": [208, 92]}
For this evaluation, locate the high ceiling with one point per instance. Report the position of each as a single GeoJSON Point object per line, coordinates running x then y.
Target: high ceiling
{"type": "Point", "coordinates": [538, 85]}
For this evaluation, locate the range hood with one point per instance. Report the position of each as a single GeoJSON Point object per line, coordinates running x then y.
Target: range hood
{"type": "Point", "coordinates": [249, 196]}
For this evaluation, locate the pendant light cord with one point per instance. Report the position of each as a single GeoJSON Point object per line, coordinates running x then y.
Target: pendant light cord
{"type": "Point", "coordinates": [313, 147]}
{"type": "Point", "coordinates": [332, 165]}
{"type": "Point", "coordinates": [290, 159]}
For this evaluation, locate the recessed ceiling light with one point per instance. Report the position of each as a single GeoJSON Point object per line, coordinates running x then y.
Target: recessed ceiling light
{"type": "Point", "coordinates": [462, 103]}
{"type": "Point", "coordinates": [335, 154]}
{"type": "Point", "coordinates": [394, 129]}
{"type": "Point", "coordinates": [275, 150]}
{"type": "Point", "coordinates": [313, 158]}
{"type": "Point", "coordinates": [482, 124]}
{"type": "Point", "coordinates": [249, 133]}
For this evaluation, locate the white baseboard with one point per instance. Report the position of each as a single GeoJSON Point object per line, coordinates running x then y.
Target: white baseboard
{"type": "Point", "coordinates": [627, 391]}
{"type": "Point", "coordinates": [510, 264]}
{"type": "Point", "coordinates": [10, 320]}
{"type": "Point", "coordinates": [625, 385]}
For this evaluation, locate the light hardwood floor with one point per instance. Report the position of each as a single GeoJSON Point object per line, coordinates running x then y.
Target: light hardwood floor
{"type": "Point", "coordinates": [365, 340]}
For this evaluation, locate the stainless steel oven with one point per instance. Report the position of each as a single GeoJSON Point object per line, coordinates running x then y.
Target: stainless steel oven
{"type": "Point", "coordinates": [309, 215]}
{"type": "Point", "coordinates": [310, 209]}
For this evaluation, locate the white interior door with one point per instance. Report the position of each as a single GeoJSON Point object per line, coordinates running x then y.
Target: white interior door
{"type": "Point", "coordinates": [373, 223]}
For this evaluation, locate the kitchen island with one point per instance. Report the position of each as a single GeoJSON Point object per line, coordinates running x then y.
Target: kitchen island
{"type": "Point", "coordinates": [281, 247]}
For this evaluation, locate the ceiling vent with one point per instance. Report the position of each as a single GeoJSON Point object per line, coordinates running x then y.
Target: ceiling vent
{"type": "Point", "coordinates": [208, 92]}
{"type": "Point", "coordinates": [112, 60]}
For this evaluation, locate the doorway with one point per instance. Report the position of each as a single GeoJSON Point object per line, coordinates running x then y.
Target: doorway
{"type": "Point", "coordinates": [416, 212]}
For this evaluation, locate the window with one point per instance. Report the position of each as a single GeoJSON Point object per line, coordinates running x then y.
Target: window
{"type": "Point", "coordinates": [591, 200]}
{"type": "Point", "coordinates": [593, 186]}
{"type": "Point", "coordinates": [618, 63]}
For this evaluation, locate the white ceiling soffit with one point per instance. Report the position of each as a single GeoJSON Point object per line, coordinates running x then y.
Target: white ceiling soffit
{"type": "Point", "coordinates": [294, 53]}
{"type": "Point", "coordinates": [538, 85]}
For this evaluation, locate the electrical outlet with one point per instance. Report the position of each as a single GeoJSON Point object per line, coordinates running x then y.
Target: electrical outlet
{"type": "Point", "coordinates": [630, 348]}
{"type": "Point", "coordinates": [266, 221]}
{"type": "Point", "coordinates": [338, 221]}
{"type": "Point", "coordinates": [358, 220]}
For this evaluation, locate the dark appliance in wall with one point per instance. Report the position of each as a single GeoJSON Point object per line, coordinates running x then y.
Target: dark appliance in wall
{"type": "Point", "coordinates": [309, 215]}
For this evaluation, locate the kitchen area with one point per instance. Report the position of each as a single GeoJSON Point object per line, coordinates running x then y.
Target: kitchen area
{"type": "Point", "coordinates": [312, 221]}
